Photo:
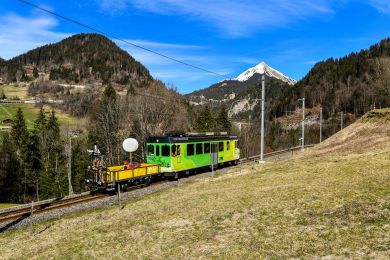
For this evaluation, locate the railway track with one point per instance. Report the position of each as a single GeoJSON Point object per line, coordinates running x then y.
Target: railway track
{"type": "Point", "coordinates": [273, 154]}
{"type": "Point", "coordinates": [21, 212]}
{"type": "Point", "coordinates": [25, 211]}
{"type": "Point", "coordinates": [47, 205]}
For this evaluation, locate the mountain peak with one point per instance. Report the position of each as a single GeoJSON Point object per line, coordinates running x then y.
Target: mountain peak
{"type": "Point", "coordinates": [263, 68]}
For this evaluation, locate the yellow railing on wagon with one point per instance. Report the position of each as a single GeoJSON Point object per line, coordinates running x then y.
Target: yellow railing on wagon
{"type": "Point", "coordinates": [120, 172]}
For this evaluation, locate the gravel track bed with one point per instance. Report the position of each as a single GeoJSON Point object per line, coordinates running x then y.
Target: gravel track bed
{"type": "Point", "coordinates": [108, 201]}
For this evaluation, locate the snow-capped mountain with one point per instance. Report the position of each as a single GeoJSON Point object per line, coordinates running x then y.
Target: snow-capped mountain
{"type": "Point", "coordinates": [263, 68]}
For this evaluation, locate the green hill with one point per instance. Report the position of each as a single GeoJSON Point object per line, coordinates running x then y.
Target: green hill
{"type": "Point", "coordinates": [312, 206]}
{"type": "Point", "coordinates": [79, 58]}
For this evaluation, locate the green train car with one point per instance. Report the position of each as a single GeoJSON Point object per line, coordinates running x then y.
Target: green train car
{"type": "Point", "coordinates": [177, 153]}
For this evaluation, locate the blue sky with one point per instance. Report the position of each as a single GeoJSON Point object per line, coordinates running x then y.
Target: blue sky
{"type": "Point", "coordinates": [224, 36]}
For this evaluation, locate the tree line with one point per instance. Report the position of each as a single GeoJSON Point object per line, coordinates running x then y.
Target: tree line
{"type": "Point", "coordinates": [33, 162]}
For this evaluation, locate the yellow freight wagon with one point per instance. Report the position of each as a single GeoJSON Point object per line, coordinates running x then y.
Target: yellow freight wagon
{"type": "Point", "coordinates": [126, 175]}
{"type": "Point", "coordinates": [127, 172]}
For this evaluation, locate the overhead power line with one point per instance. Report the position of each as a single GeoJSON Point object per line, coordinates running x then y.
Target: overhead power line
{"type": "Point", "coordinates": [122, 40]}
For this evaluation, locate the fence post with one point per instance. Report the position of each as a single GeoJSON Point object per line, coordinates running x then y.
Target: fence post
{"type": "Point", "coordinates": [119, 196]}
{"type": "Point", "coordinates": [31, 217]}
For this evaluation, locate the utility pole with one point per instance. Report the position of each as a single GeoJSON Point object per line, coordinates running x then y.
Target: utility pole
{"type": "Point", "coordinates": [70, 164]}
{"type": "Point", "coordinates": [303, 123]}
{"type": "Point", "coordinates": [262, 118]}
{"type": "Point", "coordinates": [320, 124]}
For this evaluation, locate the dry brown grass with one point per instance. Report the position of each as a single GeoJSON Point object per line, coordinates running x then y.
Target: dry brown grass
{"type": "Point", "coordinates": [369, 134]}
{"type": "Point", "coordinates": [333, 206]}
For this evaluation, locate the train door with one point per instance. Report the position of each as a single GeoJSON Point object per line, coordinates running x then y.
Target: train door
{"type": "Point", "coordinates": [176, 153]}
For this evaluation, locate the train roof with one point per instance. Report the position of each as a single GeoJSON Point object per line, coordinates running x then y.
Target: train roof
{"type": "Point", "coordinates": [190, 137]}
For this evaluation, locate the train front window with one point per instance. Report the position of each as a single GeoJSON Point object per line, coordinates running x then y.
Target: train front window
{"type": "Point", "coordinates": [165, 150]}
{"type": "Point", "coordinates": [227, 145]}
{"type": "Point", "coordinates": [220, 146]}
{"type": "Point", "coordinates": [207, 148]}
{"type": "Point", "coordinates": [176, 150]}
{"type": "Point", "coordinates": [199, 148]}
{"type": "Point", "coordinates": [150, 149]}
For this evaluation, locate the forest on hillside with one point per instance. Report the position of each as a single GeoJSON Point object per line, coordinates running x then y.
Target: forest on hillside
{"type": "Point", "coordinates": [353, 84]}
{"type": "Point", "coordinates": [86, 58]}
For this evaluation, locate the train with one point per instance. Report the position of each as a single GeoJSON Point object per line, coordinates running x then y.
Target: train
{"type": "Point", "coordinates": [167, 156]}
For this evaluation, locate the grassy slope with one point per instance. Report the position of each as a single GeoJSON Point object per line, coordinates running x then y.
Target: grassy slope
{"type": "Point", "coordinates": [31, 111]}
{"type": "Point", "coordinates": [15, 91]}
{"type": "Point", "coordinates": [326, 205]}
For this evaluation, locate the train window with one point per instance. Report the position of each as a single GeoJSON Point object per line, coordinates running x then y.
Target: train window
{"type": "Point", "coordinates": [190, 149]}
{"type": "Point", "coordinates": [220, 147]}
{"type": "Point", "coordinates": [157, 150]}
{"type": "Point", "coordinates": [207, 148]}
{"type": "Point", "coordinates": [227, 145]}
{"type": "Point", "coordinates": [199, 148]}
{"type": "Point", "coordinates": [165, 150]}
{"type": "Point", "coordinates": [150, 149]}
{"type": "Point", "coordinates": [235, 144]}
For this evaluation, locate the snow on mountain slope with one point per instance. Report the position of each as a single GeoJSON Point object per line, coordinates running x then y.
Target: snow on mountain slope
{"type": "Point", "coordinates": [263, 68]}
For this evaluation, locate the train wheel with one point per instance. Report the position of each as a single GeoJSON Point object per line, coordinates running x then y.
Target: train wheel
{"type": "Point", "coordinates": [148, 179]}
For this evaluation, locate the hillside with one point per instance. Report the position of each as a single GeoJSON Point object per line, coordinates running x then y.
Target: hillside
{"type": "Point", "coordinates": [355, 83]}
{"type": "Point", "coordinates": [242, 97]}
{"type": "Point", "coordinates": [326, 206]}
{"type": "Point", "coordinates": [370, 133]}
{"type": "Point", "coordinates": [79, 58]}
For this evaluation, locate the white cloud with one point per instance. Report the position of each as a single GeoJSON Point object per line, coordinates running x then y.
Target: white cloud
{"type": "Point", "coordinates": [19, 34]}
{"type": "Point", "coordinates": [112, 6]}
{"type": "Point", "coordinates": [382, 6]}
{"type": "Point", "coordinates": [233, 18]}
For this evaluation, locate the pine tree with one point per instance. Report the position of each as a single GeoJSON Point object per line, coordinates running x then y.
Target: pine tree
{"type": "Point", "coordinates": [223, 123]}
{"type": "Point", "coordinates": [20, 138]}
{"type": "Point", "coordinates": [19, 131]}
{"type": "Point", "coordinates": [55, 156]}
{"type": "Point", "coordinates": [35, 72]}
{"type": "Point", "coordinates": [40, 122]}
{"type": "Point", "coordinates": [10, 182]}
{"type": "Point", "coordinates": [109, 93]}
{"type": "Point", "coordinates": [204, 121]}
{"type": "Point", "coordinates": [34, 161]}
{"type": "Point", "coordinates": [79, 164]}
